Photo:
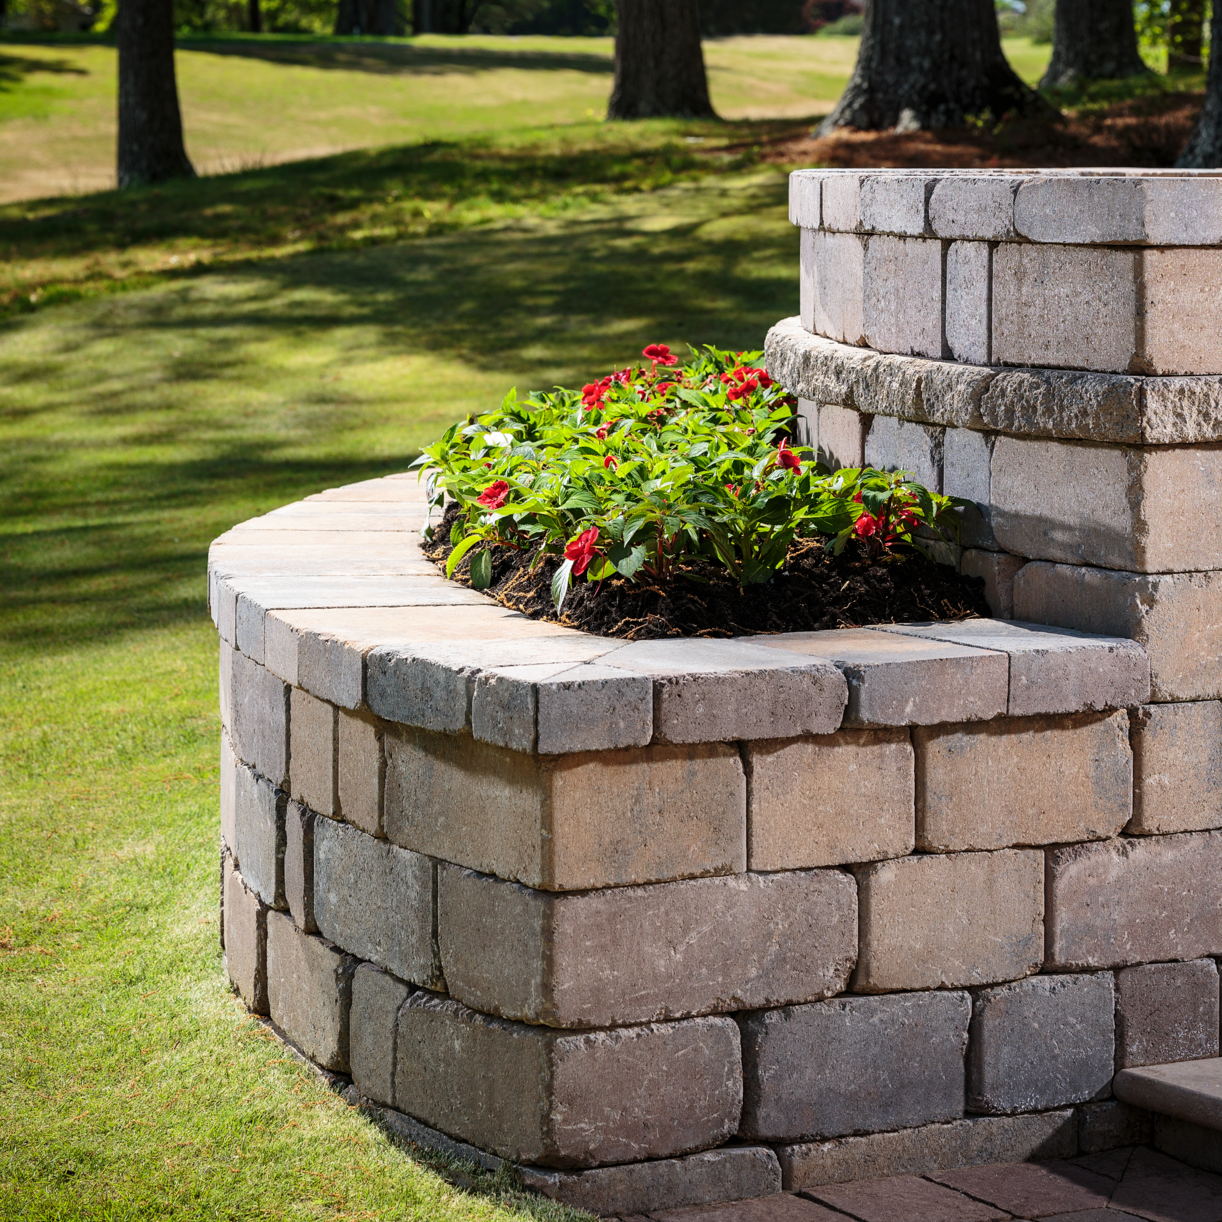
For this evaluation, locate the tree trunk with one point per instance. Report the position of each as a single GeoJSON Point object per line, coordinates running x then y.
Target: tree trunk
{"type": "Point", "coordinates": [1093, 40]}
{"type": "Point", "coordinates": [659, 66]}
{"type": "Point", "coordinates": [1184, 35]}
{"type": "Point", "coordinates": [1204, 148]}
{"type": "Point", "coordinates": [929, 63]}
{"type": "Point", "coordinates": [254, 16]}
{"type": "Point", "coordinates": [150, 124]}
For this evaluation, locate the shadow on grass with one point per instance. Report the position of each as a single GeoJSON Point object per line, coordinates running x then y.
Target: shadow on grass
{"type": "Point", "coordinates": [102, 540]}
{"type": "Point", "coordinates": [15, 68]}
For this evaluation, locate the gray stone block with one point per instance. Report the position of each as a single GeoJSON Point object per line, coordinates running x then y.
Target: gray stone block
{"type": "Point", "coordinates": [835, 267]}
{"type": "Point", "coordinates": [968, 290]}
{"type": "Point", "coordinates": [805, 209]}
{"type": "Point", "coordinates": [901, 445]}
{"type": "Point", "coordinates": [1090, 406]}
{"type": "Point", "coordinates": [1041, 1043]}
{"type": "Point", "coordinates": [1195, 1144]}
{"type": "Point", "coordinates": [842, 436]}
{"type": "Point", "coordinates": [894, 203]}
{"type": "Point", "coordinates": [641, 954]}
{"type": "Point", "coordinates": [1166, 1012]}
{"type": "Point", "coordinates": [229, 796]}
{"type": "Point", "coordinates": [842, 202]}
{"type": "Point", "coordinates": [997, 571]}
{"type": "Point", "coordinates": [1092, 211]}
{"type": "Point", "coordinates": [1177, 767]}
{"type": "Point", "coordinates": [299, 864]}
{"type": "Point", "coordinates": [1186, 1090]}
{"type": "Point", "coordinates": [902, 296]}
{"type": "Point", "coordinates": [853, 1065]}
{"type": "Point", "coordinates": [972, 1142]}
{"type": "Point", "coordinates": [535, 1095]}
{"type": "Point", "coordinates": [1127, 901]}
{"type": "Point", "coordinates": [1111, 1125]}
{"type": "Point", "coordinates": [966, 458]}
{"type": "Point", "coordinates": [245, 925]}
{"type": "Point", "coordinates": [259, 843]}
{"type": "Point", "coordinates": [260, 711]}
{"type": "Point", "coordinates": [980, 207]}
{"type": "Point", "coordinates": [361, 771]}
{"type": "Point", "coordinates": [376, 999]}
{"type": "Point", "coordinates": [312, 752]}
{"type": "Point", "coordinates": [309, 991]}
{"type": "Point", "coordinates": [376, 900]}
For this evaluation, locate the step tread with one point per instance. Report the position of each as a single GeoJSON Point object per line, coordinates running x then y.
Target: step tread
{"type": "Point", "coordinates": [1187, 1090]}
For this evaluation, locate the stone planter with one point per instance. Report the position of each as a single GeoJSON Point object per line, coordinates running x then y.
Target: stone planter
{"type": "Point", "coordinates": [688, 921]}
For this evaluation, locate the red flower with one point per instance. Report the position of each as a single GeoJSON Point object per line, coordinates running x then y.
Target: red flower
{"type": "Point", "coordinates": [866, 525]}
{"type": "Point", "coordinates": [581, 551]}
{"type": "Point", "coordinates": [786, 458]}
{"type": "Point", "coordinates": [659, 354]}
{"type": "Point", "coordinates": [610, 461]}
{"type": "Point", "coordinates": [664, 387]}
{"type": "Point", "coordinates": [494, 496]}
{"type": "Point", "coordinates": [602, 432]}
{"type": "Point", "coordinates": [742, 381]}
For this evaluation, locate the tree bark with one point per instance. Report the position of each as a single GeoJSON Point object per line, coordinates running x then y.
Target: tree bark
{"type": "Point", "coordinates": [929, 63]}
{"type": "Point", "coordinates": [1184, 35]}
{"type": "Point", "coordinates": [254, 16]}
{"type": "Point", "coordinates": [659, 66]}
{"type": "Point", "coordinates": [1204, 148]}
{"type": "Point", "coordinates": [150, 123]}
{"type": "Point", "coordinates": [1093, 40]}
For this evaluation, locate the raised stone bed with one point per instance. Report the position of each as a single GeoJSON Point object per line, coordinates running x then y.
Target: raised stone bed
{"type": "Point", "coordinates": [687, 921]}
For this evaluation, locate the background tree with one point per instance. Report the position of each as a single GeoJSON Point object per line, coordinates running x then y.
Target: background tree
{"type": "Point", "coordinates": [254, 17]}
{"type": "Point", "coordinates": [1093, 40]}
{"type": "Point", "coordinates": [150, 123]}
{"type": "Point", "coordinates": [1204, 148]}
{"type": "Point", "coordinates": [1185, 31]}
{"type": "Point", "coordinates": [659, 66]}
{"type": "Point", "coordinates": [929, 63]}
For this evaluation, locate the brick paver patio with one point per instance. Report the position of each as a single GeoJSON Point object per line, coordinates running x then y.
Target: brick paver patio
{"type": "Point", "coordinates": [1129, 1183]}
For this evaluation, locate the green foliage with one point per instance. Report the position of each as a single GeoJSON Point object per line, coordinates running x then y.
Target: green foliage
{"type": "Point", "coordinates": [1161, 28]}
{"type": "Point", "coordinates": [1033, 19]}
{"type": "Point", "coordinates": [649, 468]}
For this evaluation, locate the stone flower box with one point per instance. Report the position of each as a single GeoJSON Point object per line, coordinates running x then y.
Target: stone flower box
{"type": "Point", "coordinates": [687, 921]}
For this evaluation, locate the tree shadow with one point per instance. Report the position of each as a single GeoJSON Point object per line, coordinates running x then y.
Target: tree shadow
{"type": "Point", "coordinates": [15, 68]}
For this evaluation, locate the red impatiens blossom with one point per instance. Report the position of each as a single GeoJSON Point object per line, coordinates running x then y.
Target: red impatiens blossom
{"type": "Point", "coordinates": [659, 354]}
{"type": "Point", "coordinates": [581, 551]}
{"type": "Point", "coordinates": [494, 496]}
{"type": "Point", "coordinates": [593, 393]}
{"type": "Point", "coordinates": [866, 525]}
{"type": "Point", "coordinates": [741, 381]}
{"type": "Point", "coordinates": [610, 461]}
{"type": "Point", "coordinates": [602, 432]}
{"type": "Point", "coordinates": [786, 458]}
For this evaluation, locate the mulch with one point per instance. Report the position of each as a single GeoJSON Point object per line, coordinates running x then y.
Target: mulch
{"type": "Point", "coordinates": [814, 590]}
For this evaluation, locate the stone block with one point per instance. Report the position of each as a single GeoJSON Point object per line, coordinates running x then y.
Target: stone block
{"type": "Point", "coordinates": [1134, 900]}
{"type": "Point", "coordinates": [853, 1064]}
{"type": "Point", "coordinates": [1177, 767]}
{"type": "Point", "coordinates": [974, 207]}
{"type": "Point", "coordinates": [1088, 210]}
{"type": "Point", "coordinates": [375, 900]}
{"type": "Point", "coordinates": [1137, 509]}
{"type": "Point", "coordinates": [968, 293]}
{"type": "Point", "coordinates": [842, 436]}
{"type": "Point", "coordinates": [804, 199]}
{"type": "Point", "coordinates": [245, 922]}
{"type": "Point", "coordinates": [567, 823]}
{"type": "Point", "coordinates": [902, 296]}
{"type": "Point", "coordinates": [360, 771]}
{"type": "Point", "coordinates": [376, 999]}
{"type": "Point", "coordinates": [562, 708]}
{"type": "Point", "coordinates": [1189, 1143]}
{"type": "Point", "coordinates": [225, 686]}
{"type": "Point", "coordinates": [948, 920]}
{"type": "Point", "coordinates": [808, 272]}
{"type": "Point", "coordinates": [807, 424]}
{"type": "Point", "coordinates": [260, 719]}
{"type": "Point", "coordinates": [731, 1173]}
{"type": "Point", "coordinates": [259, 843]}
{"type": "Point", "coordinates": [535, 1095]}
{"type": "Point", "coordinates": [1166, 1012]}
{"type": "Point", "coordinates": [894, 203]}
{"type": "Point", "coordinates": [1111, 1125]}
{"type": "Point", "coordinates": [842, 202]}
{"type": "Point", "coordinates": [899, 680]}
{"type": "Point", "coordinates": [1182, 211]}
{"type": "Point", "coordinates": [966, 459]}
{"type": "Point", "coordinates": [309, 991]}
{"type": "Point", "coordinates": [1186, 1090]}
{"type": "Point", "coordinates": [1090, 406]}
{"type": "Point", "coordinates": [643, 954]}
{"type": "Point", "coordinates": [900, 445]}
{"type": "Point", "coordinates": [1183, 310]}
{"type": "Point", "coordinates": [1097, 287]}
{"type": "Point", "coordinates": [229, 795]}
{"type": "Point", "coordinates": [1176, 618]}
{"type": "Point", "coordinates": [1041, 1043]}
{"type": "Point", "coordinates": [829, 800]}
{"type": "Point", "coordinates": [312, 752]}
{"type": "Point", "coordinates": [972, 1142]}
{"type": "Point", "coordinates": [1022, 781]}
{"type": "Point", "coordinates": [997, 570]}
{"type": "Point", "coordinates": [299, 864]}
{"type": "Point", "coordinates": [836, 286]}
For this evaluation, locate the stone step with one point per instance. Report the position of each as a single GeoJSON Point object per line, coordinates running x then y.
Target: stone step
{"type": "Point", "coordinates": [1187, 1090]}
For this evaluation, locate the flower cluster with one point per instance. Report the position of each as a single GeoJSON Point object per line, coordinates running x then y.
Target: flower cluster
{"type": "Point", "coordinates": [647, 470]}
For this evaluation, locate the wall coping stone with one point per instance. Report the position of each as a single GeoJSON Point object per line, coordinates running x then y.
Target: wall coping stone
{"type": "Point", "coordinates": [1187, 1090]}
{"type": "Point", "coordinates": [345, 612]}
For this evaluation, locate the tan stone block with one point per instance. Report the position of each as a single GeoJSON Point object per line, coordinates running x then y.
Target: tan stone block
{"type": "Point", "coordinates": [245, 923]}
{"type": "Point", "coordinates": [837, 260]}
{"type": "Point", "coordinates": [1071, 208]}
{"type": "Point", "coordinates": [1177, 767]}
{"type": "Point", "coordinates": [1035, 288]}
{"type": "Point", "coordinates": [829, 800]}
{"type": "Point", "coordinates": [943, 921]}
{"type": "Point", "coordinates": [1139, 509]}
{"type": "Point", "coordinates": [901, 445]}
{"type": "Point", "coordinates": [1183, 310]}
{"type": "Point", "coordinates": [968, 293]}
{"type": "Point", "coordinates": [1185, 1090]}
{"type": "Point", "coordinates": [1133, 900]}
{"type": "Point", "coordinates": [535, 1095]}
{"type": "Point", "coordinates": [1176, 618]}
{"type": "Point", "coordinates": [402, 487]}
{"type": "Point", "coordinates": [894, 203]}
{"type": "Point", "coordinates": [361, 771]}
{"type": "Point", "coordinates": [1183, 210]}
{"type": "Point", "coordinates": [1166, 1012]}
{"type": "Point", "coordinates": [975, 206]}
{"type": "Point", "coordinates": [804, 198]}
{"type": "Point", "coordinates": [902, 296]}
{"type": "Point", "coordinates": [312, 753]}
{"type": "Point", "coordinates": [643, 954]}
{"type": "Point", "coordinates": [841, 202]}
{"type": "Point", "coordinates": [1090, 406]}
{"type": "Point", "coordinates": [1022, 781]}
{"type": "Point", "coordinates": [225, 686]}
{"type": "Point", "coordinates": [997, 570]}
{"type": "Point", "coordinates": [842, 436]}
{"type": "Point", "coordinates": [565, 823]}
{"type": "Point", "coordinates": [808, 273]}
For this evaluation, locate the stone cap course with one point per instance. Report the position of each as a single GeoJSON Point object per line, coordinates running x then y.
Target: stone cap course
{"type": "Point", "coordinates": [355, 614]}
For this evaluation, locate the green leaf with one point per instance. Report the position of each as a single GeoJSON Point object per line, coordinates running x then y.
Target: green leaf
{"type": "Point", "coordinates": [627, 560]}
{"type": "Point", "coordinates": [560, 584]}
{"type": "Point", "coordinates": [456, 532]}
{"type": "Point", "coordinates": [600, 571]}
{"type": "Point", "coordinates": [460, 551]}
{"type": "Point", "coordinates": [481, 570]}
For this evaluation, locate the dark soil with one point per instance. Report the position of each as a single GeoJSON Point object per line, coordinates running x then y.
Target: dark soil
{"type": "Point", "coordinates": [814, 590]}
